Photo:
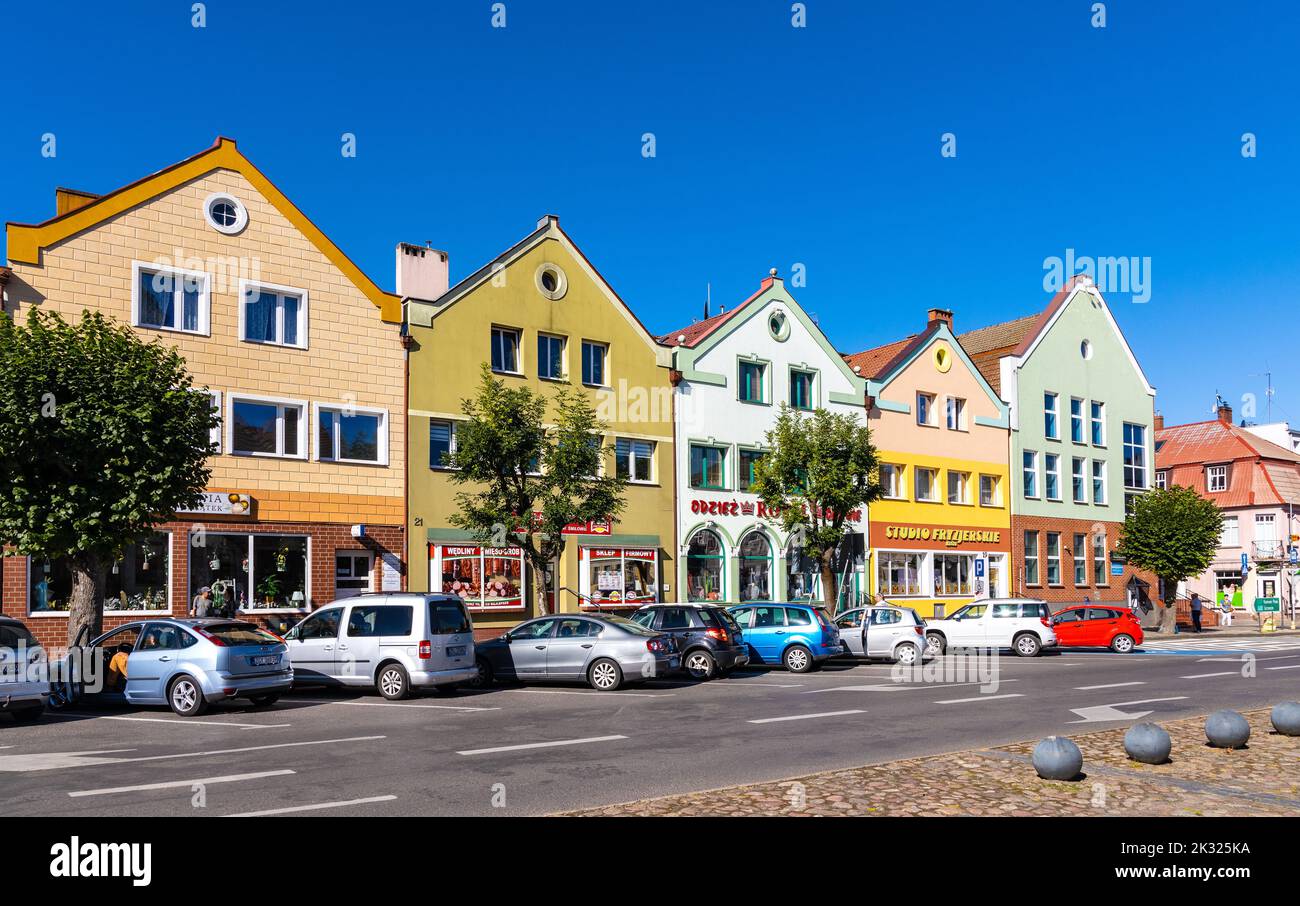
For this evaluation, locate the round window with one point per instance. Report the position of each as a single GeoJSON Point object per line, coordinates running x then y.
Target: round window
{"type": "Point", "coordinates": [778, 326]}
{"type": "Point", "coordinates": [551, 281]}
{"type": "Point", "coordinates": [225, 214]}
{"type": "Point", "coordinates": [942, 359]}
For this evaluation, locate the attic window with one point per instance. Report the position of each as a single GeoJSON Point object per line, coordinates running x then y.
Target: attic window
{"type": "Point", "coordinates": [1085, 350]}
{"type": "Point", "coordinates": [778, 326]}
{"type": "Point", "coordinates": [225, 213]}
{"type": "Point", "coordinates": [552, 282]}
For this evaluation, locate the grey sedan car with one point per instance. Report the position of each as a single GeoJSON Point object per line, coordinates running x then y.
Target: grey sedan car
{"type": "Point", "coordinates": [604, 650]}
{"type": "Point", "coordinates": [186, 664]}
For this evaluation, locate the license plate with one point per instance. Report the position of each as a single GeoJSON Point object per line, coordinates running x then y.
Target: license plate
{"type": "Point", "coordinates": [266, 660]}
{"type": "Point", "coordinates": [455, 651]}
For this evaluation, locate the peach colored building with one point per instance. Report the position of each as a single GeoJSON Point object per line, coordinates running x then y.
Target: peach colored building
{"type": "Point", "coordinates": [301, 354]}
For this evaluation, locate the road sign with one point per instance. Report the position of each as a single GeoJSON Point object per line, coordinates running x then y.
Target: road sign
{"type": "Point", "coordinates": [1117, 569]}
{"type": "Point", "coordinates": [1268, 605]}
{"type": "Point", "coordinates": [979, 567]}
{"type": "Point", "coordinates": [1294, 553]}
{"type": "Point", "coordinates": [1245, 565]}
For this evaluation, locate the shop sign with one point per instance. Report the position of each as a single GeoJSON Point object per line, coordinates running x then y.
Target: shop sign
{"type": "Point", "coordinates": [750, 508]}
{"type": "Point", "coordinates": [590, 527]}
{"type": "Point", "coordinates": [219, 503]}
{"type": "Point", "coordinates": [950, 537]}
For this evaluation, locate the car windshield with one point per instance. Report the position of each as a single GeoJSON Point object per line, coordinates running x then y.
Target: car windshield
{"type": "Point", "coordinates": [960, 612]}
{"type": "Point", "coordinates": [625, 623]}
{"type": "Point", "coordinates": [238, 634]}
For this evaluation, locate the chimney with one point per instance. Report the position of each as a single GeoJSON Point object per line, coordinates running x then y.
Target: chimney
{"type": "Point", "coordinates": [1159, 422]}
{"type": "Point", "coordinates": [68, 200]}
{"type": "Point", "coordinates": [421, 272]}
{"type": "Point", "coordinates": [1225, 413]}
{"type": "Point", "coordinates": [939, 314]}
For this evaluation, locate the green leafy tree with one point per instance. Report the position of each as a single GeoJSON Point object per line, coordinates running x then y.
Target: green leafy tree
{"type": "Point", "coordinates": [531, 480]}
{"type": "Point", "coordinates": [819, 469]}
{"type": "Point", "coordinates": [1173, 533]}
{"type": "Point", "coordinates": [102, 436]}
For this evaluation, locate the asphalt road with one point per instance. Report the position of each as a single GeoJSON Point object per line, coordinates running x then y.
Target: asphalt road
{"type": "Point", "coordinates": [533, 750]}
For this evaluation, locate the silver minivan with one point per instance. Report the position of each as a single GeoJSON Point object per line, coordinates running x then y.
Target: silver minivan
{"type": "Point", "coordinates": [392, 642]}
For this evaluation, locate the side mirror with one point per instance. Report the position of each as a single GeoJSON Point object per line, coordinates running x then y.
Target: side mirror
{"type": "Point", "coordinates": [504, 637]}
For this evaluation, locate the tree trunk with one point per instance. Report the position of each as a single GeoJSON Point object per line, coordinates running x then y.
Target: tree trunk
{"type": "Point", "coordinates": [1169, 616]}
{"type": "Point", "coordinates": [829, 596]}
{"type": "Point", "coordinates": [86, 605]}
{"type": "Point", "coordinates": [541, 606]}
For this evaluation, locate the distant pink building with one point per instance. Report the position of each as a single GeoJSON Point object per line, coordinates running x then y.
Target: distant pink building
{"type": "Point", "coordinates": [1256, 483]}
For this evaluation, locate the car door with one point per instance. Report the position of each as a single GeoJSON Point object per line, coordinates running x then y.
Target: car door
{"type": "Point", "coordinates": [569, 651]}
{"type": "Point", "coordinates": [767, 632]}
{"type": "Point", "coordinates": [312, 645]}
{"type": "Point", "coordinates": [357, 652]}
{"type": "Point", "coordinates": [529, 643]}
{"type": "Point", "coordinates": [850, 625]}
{"type": "Point", "coordinates": [966, 628]}
{"type": "Point", "coordinates": [885, 626]}
{"type": "Point", "coordinates": [676, 623]}
{"type": "Point", "coordinates": [1001, 624]}
{"type": "Point", "coordinates": [152, 663]}
{"type": "Point", "coordinates": [1103, 624]}
{"type": "Point", "coordinates": [114, 658]}
{"type": "Point", "coordinates": [1071, 627]}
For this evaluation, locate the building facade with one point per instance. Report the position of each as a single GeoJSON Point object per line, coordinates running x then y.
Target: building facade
{"type": "Point", "coordinates": [939, 537]}
{"type": "Point", "coordinates": [732, 372]}
{"type": "Point", "coordinates": [544, 318]}
{"type": "Point", "coordinates": [1256, 485]}
{"type": "Point", "coordinates": [299, 352]}
{"type": "Point", "coordinates": [1082, 444]}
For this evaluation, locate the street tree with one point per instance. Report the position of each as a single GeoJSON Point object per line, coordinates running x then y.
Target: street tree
{"type": "Point", "coordinates": [102, 436]}
{"type": "Point", "coordinates": [818, 470]}
{"type": "Point", "coordinates": [531, 479]}
{"type": "Point", "coordinates": [1174, 534]}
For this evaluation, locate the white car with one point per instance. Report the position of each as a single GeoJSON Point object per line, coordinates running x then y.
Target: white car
{"type": "Point", "coordinates": [24, 679]}
{"type": "Point", "coordinates": [1021, 624]}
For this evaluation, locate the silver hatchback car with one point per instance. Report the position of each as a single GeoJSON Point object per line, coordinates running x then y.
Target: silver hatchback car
{"type": "Point", "coordinates": [183, 663]}
{"type": "Point", "coordinates": [603, 649]}
{"type": "Point", "coordinates": [883, 631]}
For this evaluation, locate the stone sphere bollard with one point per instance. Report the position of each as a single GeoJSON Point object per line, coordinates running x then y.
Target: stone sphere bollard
{"type": "Point", "coordinates": [1148, 743]}
{"type": "Point", "coordinates": [1227, 730]}
{"type": "Point", "coordinates": [1286, 718]}
{"type": "Point", "coordinates": [1057, 758]}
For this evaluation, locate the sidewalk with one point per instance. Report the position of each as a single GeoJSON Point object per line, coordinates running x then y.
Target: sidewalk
{"type": "Point", "coordinates": [1238, 629]}
{"type": "Point", "coordinates": [1263, 779]}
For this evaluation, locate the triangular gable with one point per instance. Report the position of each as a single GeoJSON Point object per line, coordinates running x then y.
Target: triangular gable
{"type": "Point", "coordinates": [939, 330]}
{"type": "Point", "coordinates": [547, 228]}
{"type": "Point", "coordinates": [685, 357]}
{"type": "Point", "coordinates": [26, 241]}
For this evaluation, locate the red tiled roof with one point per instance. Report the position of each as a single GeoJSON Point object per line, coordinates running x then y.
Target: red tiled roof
{"type": "Point", "coordinates": [1259, 471]}
{"type": "Point", "coordinates": [689, 336]}
{"type": "Point", "coordinates": [870, 363]}
{"type": "Point", "coordinates": [996, 337]}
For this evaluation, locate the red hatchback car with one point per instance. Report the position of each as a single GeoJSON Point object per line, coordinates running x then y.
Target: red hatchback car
{"type": "Point", "coordinates": [1097, 626]}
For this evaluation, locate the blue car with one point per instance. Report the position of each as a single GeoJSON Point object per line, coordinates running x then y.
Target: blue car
{"type": "Point", "coordinates": [799, 636]}
{"type": "Point", "coordinates": [185, 664]}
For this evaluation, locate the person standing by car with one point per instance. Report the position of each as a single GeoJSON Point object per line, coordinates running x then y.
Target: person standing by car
{"type": "Point", "coordinates": [1196, 612]}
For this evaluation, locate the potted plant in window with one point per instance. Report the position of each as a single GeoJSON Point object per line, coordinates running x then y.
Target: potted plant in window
{"type": "Point", "coordinates": [269, 589]}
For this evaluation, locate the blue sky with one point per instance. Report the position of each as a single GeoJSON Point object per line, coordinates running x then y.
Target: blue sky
{"type": "Point", "coordinates": [774, 146]}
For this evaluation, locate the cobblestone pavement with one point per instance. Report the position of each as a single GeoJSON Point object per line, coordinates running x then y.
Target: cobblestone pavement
{"type": "Point", "coordinates": [1262, 779]}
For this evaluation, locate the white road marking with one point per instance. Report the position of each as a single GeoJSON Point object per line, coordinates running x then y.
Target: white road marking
{"type": "Point", "coordinates": [44, 761]}
{"type": "Point", "coordinates": [186, 722]}
{"type": "Point", "coordinates": [979, 698]}
{"type": "Point", "coordinates": [540, 745]}
{"type": "Point", "coordinates": [168, 784]}
{"type": "Point", "coordinates": [311, 808]}
{"type": "Point", "coordinates": [595, 692]}
{"type": "Point", "coordinates": [1287, 667]}
{"type": "Point", "coordinates": [1113, 712]}
{"type": "Point", "coordinates": [1207, 675]}
{"type": "Point", "coordinates": [1110, 685]}
{"type": "Point", "coordinates": [898, 687]}
{"type": "Point", "coordinates": [414, 705]}
{"type": "Point", "coordinates": [773, 720]}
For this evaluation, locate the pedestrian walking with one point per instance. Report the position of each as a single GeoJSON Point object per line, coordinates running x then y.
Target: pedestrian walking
{"type": "Point", "coordinates": [1225, 611]}
{"type": "Point", "coordinates": [1196, 612]}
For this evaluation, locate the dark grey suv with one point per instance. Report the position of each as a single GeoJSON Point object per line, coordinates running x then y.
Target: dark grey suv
{"type": "Point", "coordinates": [708, 637]}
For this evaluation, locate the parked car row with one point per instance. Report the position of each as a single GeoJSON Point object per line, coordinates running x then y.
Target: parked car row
{"type": "Point", "coordinates": [398, 643]}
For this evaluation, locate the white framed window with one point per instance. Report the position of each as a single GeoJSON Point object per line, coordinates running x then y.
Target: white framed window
{"type": "Point", "coordinates": [1078, 480]}
{"type": "Point", "coordinates": [266, 426]}
{"type": "Point", "coordinates": [594, 363]}
{"type": "Point", "coordinates": [1076, 420]}
{"type": "Point", "coordinates": [505, 351]}
{"type": "Point", "coordinates": [958, 487]}
{"type": "Point", "coordinates": [1029, 470]}
{"type": "Point", "coordinates": [924, 481]}
{"type": "Point", "coordinates": [1135, 456]}
{"type": "Point", "coordinates": [956, 414]}
{"type": "Point", "coordinates": [1162, 479]}
{"type": "Point", "coordinates": [272, 315]}
{"type": "Point", "coordinates": [635, 459]}
{"type": "Point", "coordinates": [1230, 534]}
{"type": "Point", "coordinates": [1079, 554]}
{"type": "Point", "coordinates": [551, 356]}
{"type": "Point", "coordinates": [225, 213]}
{"type": "Point", "coordinates": [1051, 476]}
{"type": "Point", "coordinates": [1053, 558]}
{"type": "Point", "coordinates": [925, 409]}
{"type": "Point", "coordinates": [1097, 419]}
{"type": "Point", "coordinates": [891, 480]}
{"type": "Point", "coordinates": [1099, 482]}
{"type": "Point", "coordinates": [1099, 559]}
{"type": "Point", "coordinates": [1051, 416]}
{"type": "Point", "coordinates": [442, 442]}
{"type": "Point", "coordinates": [990, 491]}
{"type": "Point", "coordinates": [1216, 478]}
{"type": "Point", "coordinates": [352, 434]}
{"type": "Point", "coordinates": [1031, 558]}
{"type": "Point", "coordinates": [168, 298]}
{"type": "Point", "coordinates": [353, 573]}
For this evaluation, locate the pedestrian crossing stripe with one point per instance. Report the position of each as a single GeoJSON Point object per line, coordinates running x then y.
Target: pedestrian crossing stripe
{"type": "Point", "coordinates": [1219, 646]}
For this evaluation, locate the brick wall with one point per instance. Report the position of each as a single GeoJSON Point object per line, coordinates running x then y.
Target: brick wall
{"type": "Point", "coordinates": [1067, 591]}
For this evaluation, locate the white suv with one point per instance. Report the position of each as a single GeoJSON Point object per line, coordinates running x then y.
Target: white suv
{"type": "Point", "coordinates": [24, 680]}
{"type": "Point", "coordinates": [1021, 624]}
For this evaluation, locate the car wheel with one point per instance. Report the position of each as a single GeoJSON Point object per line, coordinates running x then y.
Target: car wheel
{"type": "Point", "coordinates": [907, 654]}
{"type": "Point", "coordinates": [605, 675]}
{"type": "Point", "coordinates": [701, 665]}
{"type": "Point", "coordinates": [264, 700]}
{"type": "Point", "coordinates": [797, 659]}
{"type": "Point", "coordinates": [1027, 645]}
{"type": "Point", "coordinates": [186, 697]}
{"type": "Point", "coordinates": [935, 644]}
{"type": "Point", "coordinates": [28, 715]}
{"type": "Point", "coordinates": [393, 682]}
{"type": "Point", "coordinates": [484, 677]}
{"type": "Point", "coordinates": [1121, 644]}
